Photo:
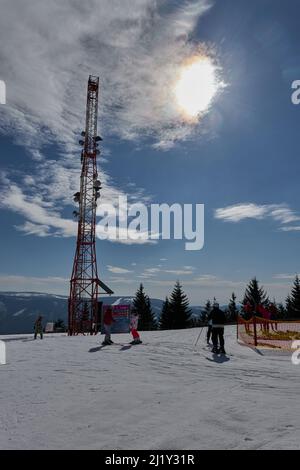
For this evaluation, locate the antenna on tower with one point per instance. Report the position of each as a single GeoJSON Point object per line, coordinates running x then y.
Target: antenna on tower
{"type": "Point", "coordinates": [85, 284]}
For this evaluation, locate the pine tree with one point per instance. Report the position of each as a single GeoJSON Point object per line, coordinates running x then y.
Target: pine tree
{"type": "Point", "coordinates": [282, 314]}
{"type": "Point", "coordinates": [206, 311]}
{"type": "Point", "coordinates": [232, 308]}
{"type": "Point", "coordinates": [255, 294]}
{"type": "Point", "coordinates": [165, 322]}
{"type": "Point", "coordinates": [142, 304]}
{"type": "Point", "coordinates": [179, 307]}
{"type": "Point", "coordinates": [289, 307]}
{"type": "Point", "coordinates": [295, 297]}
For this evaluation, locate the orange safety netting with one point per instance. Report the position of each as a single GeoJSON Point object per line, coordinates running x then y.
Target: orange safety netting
{"type": "Point", "coordinates": [268, 333]}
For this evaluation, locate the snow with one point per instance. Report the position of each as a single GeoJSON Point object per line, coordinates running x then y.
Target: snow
{"type": "Point", "coordinates": [69, 392]}
{"type": "Point", "coordinates": [123, 300]}
{"type": "Point", "coordinates": [19, 312]}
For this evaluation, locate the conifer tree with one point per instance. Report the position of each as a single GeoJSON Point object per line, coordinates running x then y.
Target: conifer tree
{"type": "Point", "coordinates": [289, 307]}
{"type": "Point", "coordinates": [142, 304]}
{"type": "Point", "coordinates": [255, 294]}
{"type": "Point", "coordinates": [232, 308]}
{"type": "Point", "coordinates": [295, 298]}
{"type": "Point", "coordinates": [166, 316]}
{"type": "Point", "coordinates": [179, 306]}
{"type": "Point", "coordinates": [281, 312]}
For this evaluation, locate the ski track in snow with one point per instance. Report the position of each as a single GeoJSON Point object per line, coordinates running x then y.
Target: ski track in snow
{"type": "Point", "coordinates": [67, 393]}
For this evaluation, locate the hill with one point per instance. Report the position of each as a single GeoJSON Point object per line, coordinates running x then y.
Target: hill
{"type": "Point", "coordinates": [18, 310]}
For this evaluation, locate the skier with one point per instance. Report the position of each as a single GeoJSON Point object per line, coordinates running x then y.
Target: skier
{"type": "Point", "coordinates": [38, 327]}
{"type": "Point", "coordinates": [218, 321]}
{"type": "Point", "coordinates": [108, 320]}
{"type": "Point", "coordinates": [134, 319]}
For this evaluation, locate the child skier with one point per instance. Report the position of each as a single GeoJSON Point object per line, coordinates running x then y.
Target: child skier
{"type": "Point", "coordinates": [38, 327]}
{"type": "Point", "coordinates": [134, 320]}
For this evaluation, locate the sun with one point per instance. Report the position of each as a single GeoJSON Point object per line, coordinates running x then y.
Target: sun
{"type": "Point", "coordinates": [196, 87]}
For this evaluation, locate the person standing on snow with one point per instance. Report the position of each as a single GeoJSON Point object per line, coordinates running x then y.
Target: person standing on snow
{"type": "Point", "coordinates": [218, 319]}
{"type": "Point", "coordinates": [134, 320]}
{"type": "Point", "coordinates": [108, 320]}
{"type": "Point", "coordinates": [38, 327]}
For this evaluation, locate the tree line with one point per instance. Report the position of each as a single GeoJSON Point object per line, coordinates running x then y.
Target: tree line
{"type": "Point", "coordinates": [176, 313]}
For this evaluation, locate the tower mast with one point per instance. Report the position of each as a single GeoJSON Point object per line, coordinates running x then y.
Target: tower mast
{"type": "Point", "coordinates": [84, 284]}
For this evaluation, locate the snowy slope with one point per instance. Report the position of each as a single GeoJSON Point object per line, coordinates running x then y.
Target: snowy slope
{"type": "Point", "coordinates": [70, 393]}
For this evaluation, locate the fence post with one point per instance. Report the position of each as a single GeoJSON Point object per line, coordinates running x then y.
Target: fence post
{"type": "Point", "coordinates": [255, 330]}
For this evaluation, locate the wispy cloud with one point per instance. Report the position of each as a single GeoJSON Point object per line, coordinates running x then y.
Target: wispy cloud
{"type": "Point", "coordinates": [206, 277]}
{"type": "Point", "coordinates": [179, 272]}
{"type": "Point", "coordinates": [117, 270]}
{"type": "Point", "coordinates": [292, 228]}
{"type": "Point", "coordinates": [240, 212]}
{"type": "Point", "coordinates": [40, 215]}
{"type": "Point", "coordinates": [134, 45]}
{"type": "Point", "coordinates": [151, 273]}
{"type": "Point", "coordinates": [281, 213]}
{"type": "Point", "coordinates": [284, 276]}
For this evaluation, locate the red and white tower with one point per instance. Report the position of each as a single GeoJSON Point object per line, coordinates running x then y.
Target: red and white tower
{"type": "Point", "coordinates": [85, 284]}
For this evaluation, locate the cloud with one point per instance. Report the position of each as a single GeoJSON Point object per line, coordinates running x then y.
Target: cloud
{"type": "Point", "coordinates": [40, 215]}
{"type": "Point", "coordinates": [278, 212]}
{"type": "Point", "coordinates": [284, 215]}
{"type": "Point", "coordinates": [292, 228]}
{"type": "Point", "coordinates": [178, 272]}
{"type": "Point", "coordinates": [123, 280]}
{"type": "Point", "coordinates": [117, 270]}
{"type": "Point", "coordinates": [240, 212]}
{"type": "Point", "coordinates": [152, 270]}
{"type": "Point", "coordinates": [206, 277]}
{"type": "Point", "coordinates": [284, 276]}
{"type": "Point", "coordinates": [150, 273]}
{"type": "Point", "coordinates": [136, 46]}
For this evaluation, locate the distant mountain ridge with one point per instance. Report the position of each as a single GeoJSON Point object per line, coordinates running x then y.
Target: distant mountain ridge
{"type": "Point", "coordinates": [18, 310]}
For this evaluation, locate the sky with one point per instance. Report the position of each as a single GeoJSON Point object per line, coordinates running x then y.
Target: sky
{"type": "Point", "coordinates": [239, 159]}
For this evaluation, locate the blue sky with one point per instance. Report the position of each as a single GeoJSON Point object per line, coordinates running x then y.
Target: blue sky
{"type": "Point", "coordinates": [240, 159]}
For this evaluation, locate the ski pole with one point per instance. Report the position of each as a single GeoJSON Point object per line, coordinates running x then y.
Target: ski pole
{"type": "Point", "coordinates": [198, 337]}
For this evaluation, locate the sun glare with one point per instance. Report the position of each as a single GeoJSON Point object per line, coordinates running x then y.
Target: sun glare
{"type": "Point", "coordinates": [196, 87]}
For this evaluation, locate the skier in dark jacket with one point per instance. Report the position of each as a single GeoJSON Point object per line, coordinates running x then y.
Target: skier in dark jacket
{"type": "Point", "coordinates": [218, 319]}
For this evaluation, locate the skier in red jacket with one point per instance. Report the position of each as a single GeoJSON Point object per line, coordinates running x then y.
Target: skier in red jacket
{"type": "Point", "coordinates": [108, 320]}
{"type": "Point", "coordinates": [134, 320]}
